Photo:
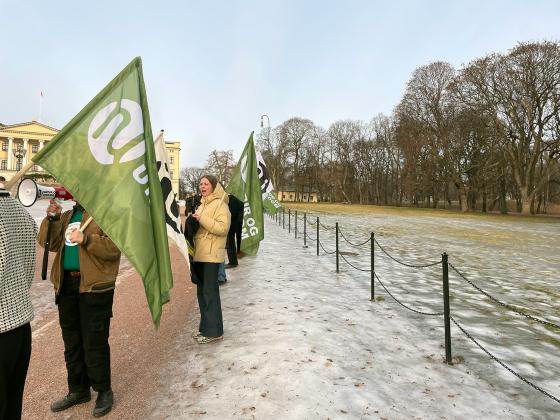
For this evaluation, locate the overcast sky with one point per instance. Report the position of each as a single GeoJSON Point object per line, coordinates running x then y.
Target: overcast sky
{"type": "Point", "coordinates": [212, 68]}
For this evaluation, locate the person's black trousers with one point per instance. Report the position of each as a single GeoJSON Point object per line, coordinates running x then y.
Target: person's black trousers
{"type": "Point", "coordinates": [208, 294]}
{"type": "Point", "coordinates": [15, 352]}
{"type": "Point", "coordinates": [231, 247]}
{"type": "Point", "coordinates": [238, 229]}
{"type": "Point", "coordinates": [85, 320]}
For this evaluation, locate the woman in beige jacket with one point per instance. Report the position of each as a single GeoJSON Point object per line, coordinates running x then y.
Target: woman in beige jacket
{"type": "Point", "coordinates": [209, 251]}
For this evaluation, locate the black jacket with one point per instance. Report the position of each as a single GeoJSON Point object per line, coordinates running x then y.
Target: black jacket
{"type": "Point", "coordinates": [236, 207]}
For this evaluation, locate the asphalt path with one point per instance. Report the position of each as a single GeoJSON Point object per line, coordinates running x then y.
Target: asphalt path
{"type": "Point", "coordinates": [138, 350]}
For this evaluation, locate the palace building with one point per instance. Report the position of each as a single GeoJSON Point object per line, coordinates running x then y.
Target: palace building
{"type": "Point", "coordinates": [20, 142]}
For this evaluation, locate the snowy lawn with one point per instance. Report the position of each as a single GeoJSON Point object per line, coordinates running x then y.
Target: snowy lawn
{"type": "Point", "coordinates": [302, 342]}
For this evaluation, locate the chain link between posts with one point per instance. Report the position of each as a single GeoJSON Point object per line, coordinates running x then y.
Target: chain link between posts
{"type": "Point", "coordinates": [353, 266]}
{"type": "Point", "coordinates": [403, 263]}
{"type": "Point", "coordinates": [503, 364]}
{"type": "Point", "coordinates": [505, 305]}
{"type": "Point", "coordinates": [403, 305]}
{"type": "Point", "coordinates": [353, 244]}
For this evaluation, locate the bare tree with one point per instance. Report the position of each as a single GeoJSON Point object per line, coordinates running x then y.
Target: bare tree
{"type": "Point", "coordinates": [190, 178]}
{"type": "Point", "coordinates": [428, 104]}
{"type": "Point", "coordinates": [344, 135]}
{"type": "Point", "coordinates": [274, 150]}
{"type": "Point", "coordinates": [294, 134]}
{"type": "Point", "coordinates": [521, 91]}
{"type": "Point", "coordinates": [221, 163]}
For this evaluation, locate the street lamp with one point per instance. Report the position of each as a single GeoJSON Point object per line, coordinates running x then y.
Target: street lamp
{"type": "Point", "coordinates": [268, 122]}
{"type": "Point", "coordinates": [19, 154]}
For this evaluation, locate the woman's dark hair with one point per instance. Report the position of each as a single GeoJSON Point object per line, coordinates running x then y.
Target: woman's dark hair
{"type": "Point", "coordinates": [211, 179]}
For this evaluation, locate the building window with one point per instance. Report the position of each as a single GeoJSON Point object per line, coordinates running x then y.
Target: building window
{"type": "Point", "coordinates": [34, 148]}
{"type": "Point", "coordinates": [19, 147]}
{"type": "Point", "coordinates": [291, 196]}
{"type": "Point", "coordinates": [171, 160]}
{"type": "Point", "coordinates": [4, 164]}
{"type": "Point", "coordinates": [171, 174]}
{"type": "Point", "coordinates": [18, 165]}
{"type": "Point", "coordinates": [4, 145]}
{"type": "Point", "coordinates": [305, 197]}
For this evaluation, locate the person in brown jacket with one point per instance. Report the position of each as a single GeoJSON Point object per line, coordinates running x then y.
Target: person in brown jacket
{"type": "Point", "coordinates": [84, 272]}
{"type": "Point", "coordinates": [209, 251]}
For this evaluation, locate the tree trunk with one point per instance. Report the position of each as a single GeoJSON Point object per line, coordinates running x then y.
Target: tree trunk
{"type": "Point", "coordinates": [463, 200]}
{"type": "Point", "coordinates": [346, 197]}
{"type": "Point", "coordinates": [502, 197]}
{"type": "Point", "coordinates": [525, 201]}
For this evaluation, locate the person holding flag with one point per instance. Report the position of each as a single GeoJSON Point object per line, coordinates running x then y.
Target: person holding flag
{"type": "Point", "coordinates": [83, 274]}
{"type": "Point", "coordinates": [246, 186]}
{"type": "Point", "coordinates": [105, 158]}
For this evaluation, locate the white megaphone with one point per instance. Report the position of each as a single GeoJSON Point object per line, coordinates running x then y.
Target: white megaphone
{"type": "Point", "coordinates": [29, 191]}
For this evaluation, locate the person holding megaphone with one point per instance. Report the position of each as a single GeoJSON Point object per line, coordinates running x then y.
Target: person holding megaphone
{"type": "Point", "coordinates": [17, 266]}
{"type": "Point", "coordinates": [84, 272]}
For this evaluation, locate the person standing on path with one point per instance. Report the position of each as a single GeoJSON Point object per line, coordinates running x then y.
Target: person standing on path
{"type": "Point", "coordinates": [236, 207]}
{"type": "Point", "coordinates": [83, 273]}
{"type": "Point", "coordinates": [209, 251]}
{"type": "Point", "coordinates": [18, 231]}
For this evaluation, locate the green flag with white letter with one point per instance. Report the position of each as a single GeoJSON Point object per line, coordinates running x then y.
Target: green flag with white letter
{"type": "Point", "coordinates": [246, 186]}
{"type": "Point", "coordinates": [105, 157]}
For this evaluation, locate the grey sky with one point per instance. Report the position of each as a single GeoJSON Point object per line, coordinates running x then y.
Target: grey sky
{"type": "Point", "coordinates": [212, 68]}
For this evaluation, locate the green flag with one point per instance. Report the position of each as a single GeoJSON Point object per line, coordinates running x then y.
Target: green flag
{"type": "Point", "coordinates": [246, 186]}
{"type": "Point", "coordinates": [105, 157]}
{"type": "Point", "coordinates": [271, 205]}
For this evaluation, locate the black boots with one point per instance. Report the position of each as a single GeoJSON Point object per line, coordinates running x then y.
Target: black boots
{"type": "Point", "coordinates": [71, 399]}
{"type": "Point", "coordinates": [103, 404]}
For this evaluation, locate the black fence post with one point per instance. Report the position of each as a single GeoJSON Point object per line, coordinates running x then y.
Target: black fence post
{"type": "Point", "coordinates": [317, 235]}
{"type": "Point", "coordinates": [283, 217]}
{"type": "Point", "coordinates": [295, 227]}
{"type": "Point", "coordinates": [289, 220]}
{"type": "Point", "coordinates": [372, 256]}
{"type": "Point", "coordinates": [337, 247]}
{"type": "Point", "coordinates": [447, 324]}
{"type": "Point", "coordinates": [305, 230]}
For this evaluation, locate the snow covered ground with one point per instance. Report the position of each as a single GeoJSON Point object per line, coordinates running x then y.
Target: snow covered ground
{"type": "Point", "coordinates": [303, 342]}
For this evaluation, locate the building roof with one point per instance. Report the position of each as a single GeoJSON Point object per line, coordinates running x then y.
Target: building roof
{"type": "Point", "coordinates": [29, 129]}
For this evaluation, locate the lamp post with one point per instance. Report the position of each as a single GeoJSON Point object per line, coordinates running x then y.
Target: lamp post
{"type": "Point", "coordinates": [268, 124]}
{"type": "Point", "coordinates": [19, 154]}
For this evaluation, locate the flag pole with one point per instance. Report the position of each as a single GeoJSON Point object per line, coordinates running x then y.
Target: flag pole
{"type": "Point", "coordinates": [9, 184]}
{"type": "Point", "coordinates": [85, 225]}
{"type": "Point", "coordinates": [40, 106]}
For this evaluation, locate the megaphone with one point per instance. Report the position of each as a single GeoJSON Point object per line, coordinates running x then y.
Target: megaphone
{"type": "Point", "coordinates": [29, 191]}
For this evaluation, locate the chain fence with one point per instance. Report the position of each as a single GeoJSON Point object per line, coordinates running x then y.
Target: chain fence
{"type": "Point", "coordinates": [445, 264]}
{"type": "Point", "coordinates": [505, 305]}
{"type": "Point", "coordinates": [402, 262]}
{"type": "Point", "coordinates": [470, 337]}
{"type": "Point", "coordinates": [353, 244]}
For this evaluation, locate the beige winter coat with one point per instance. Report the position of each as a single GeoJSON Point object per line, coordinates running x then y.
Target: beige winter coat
{"type": "Point", "coordinates": [210, 239]}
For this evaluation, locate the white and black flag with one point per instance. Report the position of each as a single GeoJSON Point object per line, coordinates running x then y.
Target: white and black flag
{"type": "Point", "coordinates": [172, 216]}
{"type": "Point", "coordinates": [270, 203]}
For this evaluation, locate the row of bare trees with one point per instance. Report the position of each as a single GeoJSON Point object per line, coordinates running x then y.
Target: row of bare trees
{"type": "Point", "coordinates": [480, 136]}
{"type": "Point", "coordinates": [220, 163]}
